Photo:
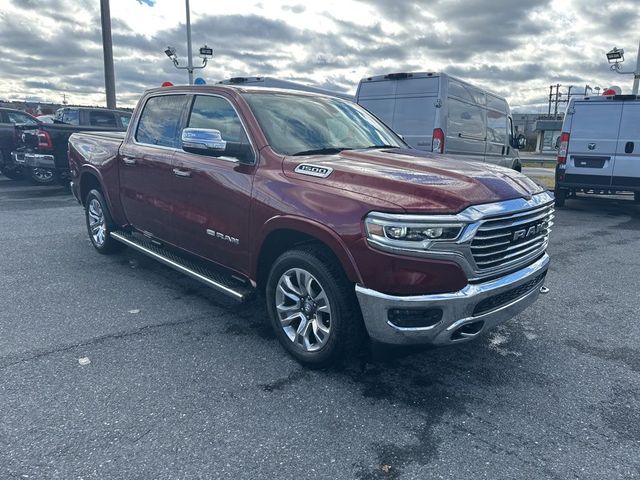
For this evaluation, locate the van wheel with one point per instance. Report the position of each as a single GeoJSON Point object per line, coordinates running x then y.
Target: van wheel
{"type": "Point", "coordinates": [560, 195]}
{"type": "Point", "coordinates": [99, 224]}
{"type": "Point", "coordinates": [312, 307]}
{"type": "Point", "coordinates": [13, 173]}
{"type": "Point", "coordinates": [517, 167]}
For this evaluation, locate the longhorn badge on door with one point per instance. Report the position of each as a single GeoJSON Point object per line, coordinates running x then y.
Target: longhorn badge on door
{"type": "Point", "coordinates": [591, 146]}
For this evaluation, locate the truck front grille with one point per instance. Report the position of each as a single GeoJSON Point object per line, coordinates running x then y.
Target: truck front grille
{"type": "Point", "coordinates": [512, 240]}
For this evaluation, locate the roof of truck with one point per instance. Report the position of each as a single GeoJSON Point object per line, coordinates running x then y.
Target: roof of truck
{"type": "Point", "coordinates": [237, 89]}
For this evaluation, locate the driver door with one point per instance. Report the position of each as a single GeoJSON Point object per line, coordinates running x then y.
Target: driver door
{"type": "Point", "coordinates": [211, 195]}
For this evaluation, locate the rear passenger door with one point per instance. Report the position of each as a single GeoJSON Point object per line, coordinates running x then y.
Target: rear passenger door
{"type": "Point", "coordinates": [146, 169]}
{"type": "Point", "coordinates": [626, 165]}
{"type": "Point", "coordinates": [592, 142]}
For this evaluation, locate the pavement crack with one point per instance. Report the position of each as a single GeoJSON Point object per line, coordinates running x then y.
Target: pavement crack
{"type": "Point", "coordinates": [11, 360]}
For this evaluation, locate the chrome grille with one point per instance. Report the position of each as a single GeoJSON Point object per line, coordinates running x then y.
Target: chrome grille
{"type": "Point", "coordinates": [510, 240]}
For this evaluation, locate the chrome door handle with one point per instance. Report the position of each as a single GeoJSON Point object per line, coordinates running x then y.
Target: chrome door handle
{"type": "Point", "coordinates": [181, 173]}
{"type": "Point", "coordinates": [128, 161]}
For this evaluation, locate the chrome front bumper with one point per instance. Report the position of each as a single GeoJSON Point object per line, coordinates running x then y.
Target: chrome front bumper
{"type": "Point", "coordinates": [458, 323]}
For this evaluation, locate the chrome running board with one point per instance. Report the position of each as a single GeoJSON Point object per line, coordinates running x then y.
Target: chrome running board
{"type": "Point", "coordinates": [219, 281]}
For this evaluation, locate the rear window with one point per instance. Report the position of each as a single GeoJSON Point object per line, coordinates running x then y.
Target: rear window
{"type": "Point", "coordinates": [596, 120]}
{"type": "Point", "coordinates": [20, 118]}
{"type": "Point", "coordinates": [124, 119]}
{"type": "Point", "coordinates": [466, 120]}
{"type": "Point", "coordinates": [102, 119]}
{"type": "Point", "coordinates": [159, 121]}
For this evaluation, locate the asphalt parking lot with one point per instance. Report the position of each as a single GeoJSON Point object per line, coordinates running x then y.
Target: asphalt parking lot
{"type": "Point", "coordinates": [185, 384]}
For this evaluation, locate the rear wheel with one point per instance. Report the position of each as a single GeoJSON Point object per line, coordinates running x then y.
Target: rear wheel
{"type": "Point", "coordinates": [13, 173]}
{"type": "Point", "coordinates": [42, 176]}
{"type": "Point", "coordinates": [99, 224]}
{"type": "Point", "coordinates": [560, 195]}
{"type": "Point", "coordinates": [312, 307]}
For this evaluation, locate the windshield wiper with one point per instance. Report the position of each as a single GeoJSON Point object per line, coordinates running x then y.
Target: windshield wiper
{"type": "Point", "coordinates": [320, 151]}
{"type": "Point", "coordinates": [370, 147]}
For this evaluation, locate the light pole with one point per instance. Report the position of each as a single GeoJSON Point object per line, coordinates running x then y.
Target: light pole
{"type": "Point", "coordinates": [205, 52]}
{"type": "Point", "coordinates": [107, 50]}
{"type": "Point", "coordinates": [616, 57]}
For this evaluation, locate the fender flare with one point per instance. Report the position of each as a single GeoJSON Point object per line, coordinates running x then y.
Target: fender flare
{"type": "Point", "coordinates": [314, 229]}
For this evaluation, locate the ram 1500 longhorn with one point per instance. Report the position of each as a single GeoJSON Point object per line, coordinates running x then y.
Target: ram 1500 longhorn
{"type": "Point", "coordinates": [314, 202]}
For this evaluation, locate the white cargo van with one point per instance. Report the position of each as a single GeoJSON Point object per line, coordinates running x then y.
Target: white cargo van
{"type": "Point", "coordinates": [599, 148]}
{"type": "Point", "coordinates": [270, 82]}
{"type": "Point", "coordinates": [440, 113]}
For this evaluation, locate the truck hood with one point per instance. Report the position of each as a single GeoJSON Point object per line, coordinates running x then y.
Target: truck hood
{"type": "Point", "coordinates": [413, 180]}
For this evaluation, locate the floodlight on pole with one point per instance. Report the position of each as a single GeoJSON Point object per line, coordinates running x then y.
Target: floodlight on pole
{"type": "Point", "coordinates": [206, 53]}
{"type": "Point", "coordinates": [615, 57]}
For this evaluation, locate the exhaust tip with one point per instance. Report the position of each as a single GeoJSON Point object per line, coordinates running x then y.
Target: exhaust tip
{"type": "Point", "coordinates": [468, 330]}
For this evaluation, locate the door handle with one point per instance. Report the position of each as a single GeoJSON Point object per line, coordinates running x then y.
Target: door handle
{"type": "Point", "coordinates": [181, 173]}
{"type": "Point", "coordinates": [128, 161]}
{"type": "Point", "coordinates": [628, 148]}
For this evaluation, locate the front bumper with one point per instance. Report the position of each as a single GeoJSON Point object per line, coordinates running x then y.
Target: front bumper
{"type": "Point", "coordinates": [465, 313]}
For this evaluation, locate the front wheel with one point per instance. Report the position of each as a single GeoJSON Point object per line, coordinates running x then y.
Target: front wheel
{"type": "Point", "coordinates": [13, 173]}
{"type": "Point", "coordinates": [312, 307]}
{"type": "Point", "coordinates": [99, 224]}
{"type": "Point", "coordinates": [42, 176]}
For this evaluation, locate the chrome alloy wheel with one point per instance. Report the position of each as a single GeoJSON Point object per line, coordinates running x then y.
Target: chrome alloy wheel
{"type": "Point", "coordinates": [97, 222]}
{"type": "Point", "coordinates": [303, 309]}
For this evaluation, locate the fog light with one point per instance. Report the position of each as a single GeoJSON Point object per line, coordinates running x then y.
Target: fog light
{"type": "Point", "coordinates": [414, 317]}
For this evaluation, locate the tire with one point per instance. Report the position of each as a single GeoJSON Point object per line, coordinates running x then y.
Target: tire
{"type": "Point", "coordinates": [560, 195]}
{"type": "Point", "coordinates": [13, 173]}
{"type": "Point", "coordinates": [100, 224]}
{"type": "Point", "coordinates": [517, 167]}
{"type": "Point", "coordinates": [326, 304]}
{"type": "Point", "coordinates": [43, 176]}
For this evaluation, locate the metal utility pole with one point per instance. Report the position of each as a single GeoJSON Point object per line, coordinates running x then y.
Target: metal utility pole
{"type": "Point", "coordinates": [107, 48]}
{"type": "Point", "coordinates": [636, 75]}
{"type": "Point", "coordinates": [189, 53]}
{"type": "Point", "coordinates": [550, 99]}
{"type": "Point", "coordinates": [555, 111]}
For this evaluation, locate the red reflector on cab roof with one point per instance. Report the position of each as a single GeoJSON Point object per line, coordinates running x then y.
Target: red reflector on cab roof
{"type": "Point", "coordinates": [166, 84]}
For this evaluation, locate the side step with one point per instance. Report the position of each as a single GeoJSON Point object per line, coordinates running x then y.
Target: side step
{"type": "Point", "coordinates": [219, 281]}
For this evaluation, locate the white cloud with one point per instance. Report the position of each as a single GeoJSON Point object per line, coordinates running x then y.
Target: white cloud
{"type": "Point", "coordinates": [517, 49]}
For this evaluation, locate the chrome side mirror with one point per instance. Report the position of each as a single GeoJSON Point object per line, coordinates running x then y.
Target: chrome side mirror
{"type": "Point", "coordinates": [202, 140]}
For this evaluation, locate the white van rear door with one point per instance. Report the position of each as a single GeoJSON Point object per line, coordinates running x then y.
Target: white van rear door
{"type": "Point", "coordinates": [496, 147]}
{"type": "Point", "coordinates": [592, 143]}
{"type": "Point", "coordinates": [626, 165]}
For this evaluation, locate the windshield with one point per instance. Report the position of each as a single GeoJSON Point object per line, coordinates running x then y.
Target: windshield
{"type": "Point", "coordinates": [297, 124]}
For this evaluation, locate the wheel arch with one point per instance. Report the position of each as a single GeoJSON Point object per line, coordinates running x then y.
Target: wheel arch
{"type": "Point", "coordinates": [280, 234]}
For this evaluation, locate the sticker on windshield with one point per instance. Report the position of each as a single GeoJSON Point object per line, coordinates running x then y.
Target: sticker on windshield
{"type": "Point", "coordinates": [313, 170]}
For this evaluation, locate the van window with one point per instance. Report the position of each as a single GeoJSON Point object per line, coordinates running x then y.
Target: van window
{"type": "Point", "coordinates": [496, 103]}
{"type": "Point", "coordinates": [159, 121]}
{"type": "Point", "coordinates": [102, 119]}
{"type": "Point", "coordinates": [466, 92]}
{"type": "Point", "coordinates": [383, 108]}
{"type": "Point", "coordinates": [465, 119]}
{"type": "Point", "coordinates": [414, 116]}
{"type": "Point", "coordinates": [496, 127]}
{"type": "Point", "coordinates": [217, 113]}
{"type": "Point", "coordinates": [595, 120]}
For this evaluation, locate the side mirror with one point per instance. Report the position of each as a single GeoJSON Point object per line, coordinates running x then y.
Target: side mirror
{"type": "Point", "coordinates": [205, 141]}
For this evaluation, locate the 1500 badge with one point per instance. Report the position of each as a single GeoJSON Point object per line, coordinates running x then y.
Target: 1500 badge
{"type": "Point", "coordinates": [223, 236]}
{"type": "Point", "coordinates": [313, 170]}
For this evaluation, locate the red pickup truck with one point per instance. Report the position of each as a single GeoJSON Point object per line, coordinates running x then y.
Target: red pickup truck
{"type": "Point", "coordinates": [314, 202]}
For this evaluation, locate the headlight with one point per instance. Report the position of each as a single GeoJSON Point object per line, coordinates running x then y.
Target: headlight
{"type": "Point", "coordinates": [407, 232]}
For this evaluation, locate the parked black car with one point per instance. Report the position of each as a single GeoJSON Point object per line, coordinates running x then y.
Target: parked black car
{"type": "Point", "coordinates": [9, 139]}
{"type": "Point", "coordinates": [43, 147]}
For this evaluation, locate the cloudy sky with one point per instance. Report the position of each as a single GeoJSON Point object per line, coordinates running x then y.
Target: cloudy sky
{"type": "Point", "coordinates": [516, 48]}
